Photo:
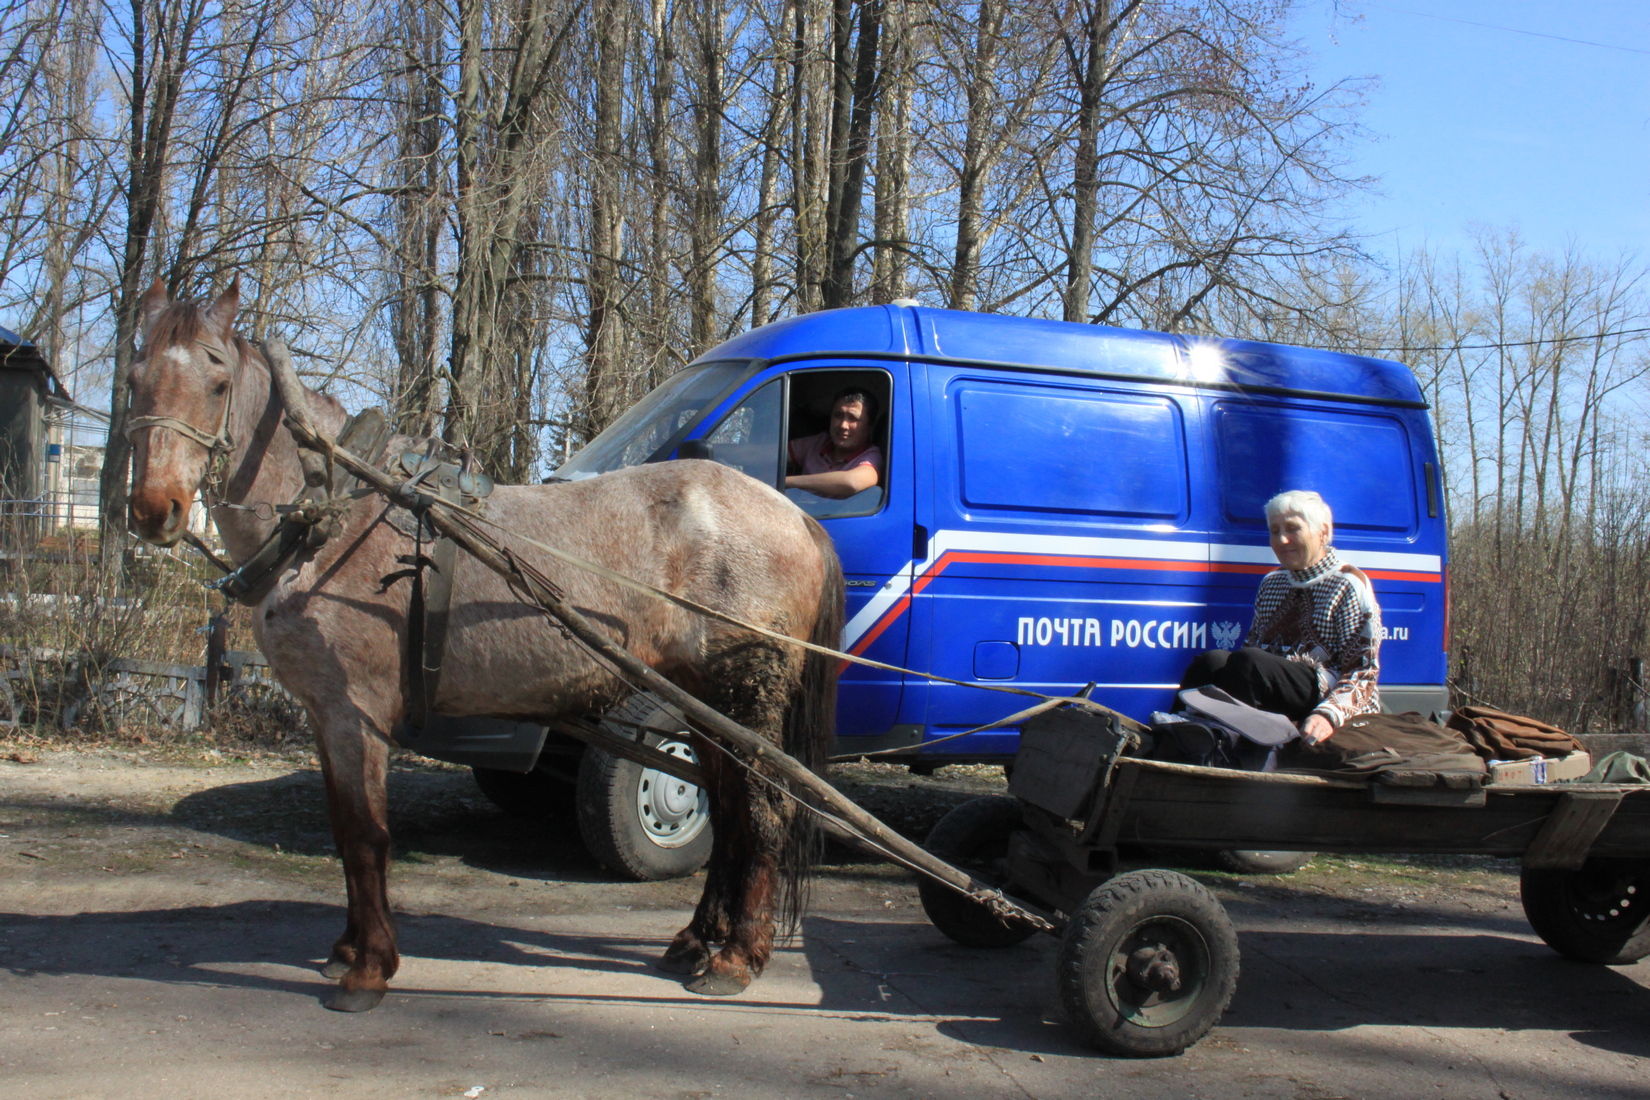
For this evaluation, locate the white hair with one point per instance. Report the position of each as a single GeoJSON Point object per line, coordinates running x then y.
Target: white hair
{"type": "Point", "coordinates": [1312, 509]}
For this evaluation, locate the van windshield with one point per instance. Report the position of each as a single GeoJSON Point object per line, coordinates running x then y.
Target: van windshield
{"type": "Point", "coordinates": [647, 425]}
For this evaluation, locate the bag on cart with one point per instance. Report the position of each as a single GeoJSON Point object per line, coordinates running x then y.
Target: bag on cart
{"type": "Point", "coordinates": [1215, 730]}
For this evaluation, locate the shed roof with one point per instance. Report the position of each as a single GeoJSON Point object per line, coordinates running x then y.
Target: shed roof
{"type": "Point", "coordinates": [20, 353]}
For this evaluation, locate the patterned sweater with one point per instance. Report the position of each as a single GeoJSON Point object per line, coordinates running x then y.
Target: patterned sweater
{"type": "Point", "coordinates": [1325, 617]}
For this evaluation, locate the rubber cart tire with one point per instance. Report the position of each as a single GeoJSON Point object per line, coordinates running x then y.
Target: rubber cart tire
{"type": "Point", "coordinates": [1245, 861]}
{"type": "Point", "coordinates": [974, 837]}
{"type": "Point", "coordinates": [1598, 914]}
{"type": "Point", "coordinates": [638, 822]}
{"type": "Point", "coordinates": [1148, 964]}
{"type": "Point", "coordinates": [533, 796]}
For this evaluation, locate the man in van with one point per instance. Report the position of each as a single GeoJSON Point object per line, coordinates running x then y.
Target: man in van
{"type": "Point", "coordinates": [842, 460]}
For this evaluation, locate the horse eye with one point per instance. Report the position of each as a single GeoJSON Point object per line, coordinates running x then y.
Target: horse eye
{"type": "Point", "coordinates": [220, 389]}
{"type": "Point", "coordinates": [215, 360]}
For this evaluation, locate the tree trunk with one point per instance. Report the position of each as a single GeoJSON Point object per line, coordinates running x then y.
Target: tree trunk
{"type": "Point", "coordinates": [891, 219]}
{"type": "Point", "coordinates": [809, 142]}
{"type": "Point", "coordinates": [981, 92]}
{"type": "Point", "coordinates": [852, 126]}
{"type": "Point", "coordinates": [1091, 56]}
{"type": "Point", "coordinates": [162, 43]}
{"type": "Point", "coordinates": [705, 221]}
{"type": "Point", "coordinates": [602, 339]}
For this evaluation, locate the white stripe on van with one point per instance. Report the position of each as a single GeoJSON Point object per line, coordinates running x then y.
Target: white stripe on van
{"type": "Point", "coordinates": [1005, 542]}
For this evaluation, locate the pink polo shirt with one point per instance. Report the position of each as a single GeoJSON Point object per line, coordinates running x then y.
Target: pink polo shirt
{"type": "Point", "coordinates": [812, 453]}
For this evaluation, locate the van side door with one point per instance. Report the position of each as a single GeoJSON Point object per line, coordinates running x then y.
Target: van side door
{"type": "Point", "coordinates": [1067, 544]}
{"type": "Point", "coordinates": [1375, 468]}
{"type": "Point", "coordinates": [753, 431]}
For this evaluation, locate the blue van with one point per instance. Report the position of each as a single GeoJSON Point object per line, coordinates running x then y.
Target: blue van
{"type": "Point", "coordinates": [1064, 503]}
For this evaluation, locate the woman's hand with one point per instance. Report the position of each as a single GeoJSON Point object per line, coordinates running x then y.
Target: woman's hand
{"type": "Point", "coordinates": [1316, 728]}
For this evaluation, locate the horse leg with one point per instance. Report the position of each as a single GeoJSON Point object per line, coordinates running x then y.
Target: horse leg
{"type": "Point", "coordinates": [354, 761]}
{"type": "Point", "coordinates": [750, 822]}
{"type": "Point", "coordinates": [755, 834]}
{"type": "Point", "coordinates": [690, 951]}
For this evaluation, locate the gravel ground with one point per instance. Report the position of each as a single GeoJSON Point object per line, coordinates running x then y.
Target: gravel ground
{"type": "Point", "coordinates": [161, 915]}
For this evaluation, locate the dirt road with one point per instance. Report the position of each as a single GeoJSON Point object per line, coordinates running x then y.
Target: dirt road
{"type": "Point", "coordinates": [160, 928]}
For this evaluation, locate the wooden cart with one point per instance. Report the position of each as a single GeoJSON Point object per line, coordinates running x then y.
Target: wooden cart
{"type": "Point", "coordinates": [1149, 958]}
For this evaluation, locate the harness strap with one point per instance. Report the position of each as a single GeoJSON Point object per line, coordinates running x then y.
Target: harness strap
{"type": "Point", "coordinates": [310, 521]}
{"type": "Point", "coordinates": [429, 613]}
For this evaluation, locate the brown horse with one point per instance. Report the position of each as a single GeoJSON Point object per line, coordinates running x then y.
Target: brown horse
{"type": "Point", "coordinates": [334, 635]}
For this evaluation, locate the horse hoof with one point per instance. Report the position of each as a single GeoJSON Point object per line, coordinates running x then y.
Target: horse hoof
{"type": "Point", "coordinates": [711, 984]}
{"type": "Point", "coordinates": [335, 968]}
{"type": "Point", "coordinates": [688, 961]}
{"type": "Point", "coordinates": [355, 1000]}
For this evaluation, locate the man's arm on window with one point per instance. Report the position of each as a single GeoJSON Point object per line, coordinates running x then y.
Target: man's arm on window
{"type": "Point", "coordinates": [837, 484]}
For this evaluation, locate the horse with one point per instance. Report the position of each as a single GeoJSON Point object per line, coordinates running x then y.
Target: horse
{"type": "Point", "coordinates": [334, 629]}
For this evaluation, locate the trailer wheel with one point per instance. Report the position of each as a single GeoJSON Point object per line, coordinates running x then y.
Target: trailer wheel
{"type": "Point", "coordinates": [1148, 964]}
{"type": "Point", "coordinates": [1598, 914]}
{"type": "Point", "coordinates": [974, 836]}
{"type": "Point", "coordinates": [534, 796]}
{"type": "Point", "coordinates": [639, 822]}
{"type": "Point", "coordinates": [1245, 861]}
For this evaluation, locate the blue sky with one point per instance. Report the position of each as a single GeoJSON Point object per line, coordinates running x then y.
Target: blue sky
{"type": "Point", "coordinates": [1478, 124]}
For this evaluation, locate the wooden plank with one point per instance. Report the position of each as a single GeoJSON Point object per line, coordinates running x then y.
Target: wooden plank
{"type": "Point", "coordinates": [1111, 807]}
{"type": "Point", "coordinates": [633, 749]}
{"type": "Point", "coordinates": [1288, 779]}
{"type": "Point", "coordinates": [1470, 798]}
{"type": "Point", "coordinates": [140, 667]}
{"type": "Point", "coordinates": [1569, 831]}
{"type": "Point", "coordinates": [1063, 756]}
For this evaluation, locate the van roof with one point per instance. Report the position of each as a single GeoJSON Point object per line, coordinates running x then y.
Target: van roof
{"type": "Point", "coordinates": [956, 336]}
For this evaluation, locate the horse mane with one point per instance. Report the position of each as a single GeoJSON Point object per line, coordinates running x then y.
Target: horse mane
{"type": "Point", "coordinates": [184, 322]}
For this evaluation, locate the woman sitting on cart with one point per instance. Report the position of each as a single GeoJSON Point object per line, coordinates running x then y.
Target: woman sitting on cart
{"type": "Point", "coordinates": [1314, 651]}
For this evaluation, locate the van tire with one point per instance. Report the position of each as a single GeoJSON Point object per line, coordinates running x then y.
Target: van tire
{"type": "Point", "coordinates": [533, 796]}
{"type": "Point", "coordinates": [640, 823]}
{"type": "Point", "coordinates": [1246, 861]}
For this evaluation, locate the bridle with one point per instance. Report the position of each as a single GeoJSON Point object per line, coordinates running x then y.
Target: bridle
{"type": "Point", "coordinates": [217, 446]}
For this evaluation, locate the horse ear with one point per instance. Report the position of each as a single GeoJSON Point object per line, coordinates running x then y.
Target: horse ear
{"type": "Point", "coordinates": [154, 300]}
{"type": "Point", "coordinates": [220, 317]}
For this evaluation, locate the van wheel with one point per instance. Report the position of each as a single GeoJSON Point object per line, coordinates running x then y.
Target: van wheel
{"type": "Point", "coordinates": [534, 796]}
{"type": "Point", "coordinates": [637, 821]}
{"type": "Point", "coordinates": [1245, 861]}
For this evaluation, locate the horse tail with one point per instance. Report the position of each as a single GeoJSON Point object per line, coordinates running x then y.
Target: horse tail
{"type": "Point", "coordinates": [810, 729]}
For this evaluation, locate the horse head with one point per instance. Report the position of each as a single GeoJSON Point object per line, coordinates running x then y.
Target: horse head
{"type": "Point", "coordinates": [183, 384]}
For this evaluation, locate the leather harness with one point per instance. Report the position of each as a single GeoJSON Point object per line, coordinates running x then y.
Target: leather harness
{"type": "Point", "coordinates": [428, 613]}
{"type": "Point", "coordinates": [317, 515]}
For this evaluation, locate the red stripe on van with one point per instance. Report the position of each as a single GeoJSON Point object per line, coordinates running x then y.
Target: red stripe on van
{"type": "Point", "coordinates": [1072, 561]}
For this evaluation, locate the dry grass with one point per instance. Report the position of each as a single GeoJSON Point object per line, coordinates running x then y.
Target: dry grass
{"type": "Point", "coordinates": [64, 618]}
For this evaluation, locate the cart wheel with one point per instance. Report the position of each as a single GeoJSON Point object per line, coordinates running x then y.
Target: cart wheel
{"type": "Point", "coordinates": [1598, 914]}
{"type": "Point", "coordinates": [1148, 964]}
{"type": "Point", "coordinates": [974, 836]}
{"type": "Point", "coordinates": [1249, 862]}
